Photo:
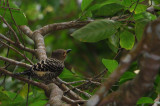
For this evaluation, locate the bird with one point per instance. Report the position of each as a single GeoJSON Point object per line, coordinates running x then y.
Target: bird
{"type": "Point", "coordinates": [48, 69]}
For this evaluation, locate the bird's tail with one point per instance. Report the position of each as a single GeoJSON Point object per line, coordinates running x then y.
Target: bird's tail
{"type": "Point", "coordinates": [27, 72]}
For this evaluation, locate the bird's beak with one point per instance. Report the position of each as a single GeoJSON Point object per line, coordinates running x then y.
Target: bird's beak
{"type": "Point", "coordinates": [68, 50]}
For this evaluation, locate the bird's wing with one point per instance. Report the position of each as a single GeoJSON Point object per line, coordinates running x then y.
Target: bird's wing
{"type": "Point", "coordinates": [48, 65]}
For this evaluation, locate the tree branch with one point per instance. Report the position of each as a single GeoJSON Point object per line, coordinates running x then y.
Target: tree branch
{"type": "Point", "coordinates": [59, 26]}
{"type": "Point", "coordinates": [55, 95]}
{"type": "Point", "coordinates": [11, 61]}
{"type": "Point", "coordinates": [17, 45]}
{"type": "Point", "coordinates": [26, 30]}
{"type": "Point", "coordinates": [14, 33]}
{"type": "Point", "coordinates": [38, 84]}
{"type": "Point", "coordinates": [18, 52]}
{"type": "Point", "coordinates": [130, 92]}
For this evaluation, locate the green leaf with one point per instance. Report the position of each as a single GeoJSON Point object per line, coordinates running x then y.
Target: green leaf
{"type": "Point", "coordinates": [24, 91]}
{"type": "Point", "coordinates": [68, 76]}
{"type": "Point", "coordinates": [40, 96]}
{"type": "Point", "coordinates": [39, 103]}
{"type": "Point", "coordinates": [139, 28]}
{"type": "Point", "coordinates": [113, 42]}
{"type": "Point", "coordinates": [111, 1]}
{"type": "Point", "coordinates": [4, 96]}
{"type": "Point", "coordinates": [157, 2]}
{"type": "Point", "coordinates": [85, 4]}
{"type": "Point", "coordinates": [143, 100]}
{"type": "Point", "coordinates": [127, 76]}
{"type": "Point", "coordinates": [126, 3]}
{"type": "Point", "coordinates": [144, 15]}
{"type": "Point", "coordinates": [112, 47]}
{"type": "Point", "coordinates": [96, 31]}
{"type": "Point", "coordinates": [111, 65]}
{"type": "Point", "coordinates": [94, 7]}
{"type": "Point", "coordinates": [127, 40]}
{"type": "Point", "coordinates": [109, 9]}
{"type": "Point", "coordinates": [114, 39]}
{"type": "Point", "coordinates": [85, 15]}
{"type": "Point", "coordinates": [12, 95]}
{"type": "Point", "coordinates": [18, 15]}
{"type": "Point", "coordinates": [139, 9]}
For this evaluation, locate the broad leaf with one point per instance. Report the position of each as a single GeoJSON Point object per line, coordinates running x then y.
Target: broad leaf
{"type": "Point", "coordinates": [111, 1]}
{"type": "Point", "coordinates": [85, 4]}
{"type": "Point", "coordinates": [127, 40]}
{"type": "Point", "coordinates": [96, 31]}
{"type": "Point", "coordinates": [114, 39]}
{"type": "Point", "coordinates": [127, 76]}
{"type": "Point", "coordinates": [39, 103]}
{"type": "Point", "coordinates": [68, 76]}
{"type": "Point", "coordinates": [112, 47]}
{"type": "Point", "coordinates": [4, 95]}
{"type": "Point", "coordinates": [24, 91]}
{"type": "Point", "coordinates": [126, 3]}
{"type": "Point", "coordinates": [140, 8]}
{"type": "Point", "coordinates": [144, 15]}
{"type": "Point", "coordinates": [113, 42]}
{"type": "Point", "coordinates": [17, 14]}
{"type": "Point", "coordinates": [111, 65]}
{"type": "Point", "coordinates": [143, 100]}
{"type": "Point", "coordinates": [109, 9]}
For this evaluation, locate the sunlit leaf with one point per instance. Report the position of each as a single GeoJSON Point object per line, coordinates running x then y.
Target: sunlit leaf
{"type": "Point", "coordinates": [39, 103]}
{"type": "Point", "coordinates": [68, 76]}
{"type": "Point", "coordinates": [3, 95]}
{"type": "Point", "coordinates": [96, 31]}
{"type": "Point", "coordinates": [127, 76]}
{"type": "Point", "coordinates": [140, 8]}
{"type": "Point", "coordinates": [109, 9]}
{"type": "Point", "coordinates": [15, 12]}
{"type": "Point", "coordinates": [111, 65]}
{"type": "Point", "coordinates": [143, 100]}
{"type": "Point", "coordinates": [127, 40]}
{"type": "Point", "coordinates": [24, 91]}
{"type": "Point", "coordinates": [144, 15]}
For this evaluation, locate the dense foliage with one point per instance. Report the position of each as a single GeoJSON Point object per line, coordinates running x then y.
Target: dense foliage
{"type": "Point", "coordinates": [115, 28]}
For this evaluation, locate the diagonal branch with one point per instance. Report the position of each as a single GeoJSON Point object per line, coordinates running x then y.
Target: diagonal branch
{"type": "Point", "coordinates": [59, 26]}
{"type": "Point", "coordinates": [17, 52]}
{"type": "Point", "coordinates": [14, 33]}
{"type": "Point", "coordinates": [26, 30]}
{"type": "Point", "coordinates": [11, 61]}
{"type": "Point", "coordinates": [17, 45]}
{"type": "Point", "coordinates": [38, 84]}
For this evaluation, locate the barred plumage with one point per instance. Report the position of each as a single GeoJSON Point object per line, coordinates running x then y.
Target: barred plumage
{"type": "Point", "coordinates": [48, 69]}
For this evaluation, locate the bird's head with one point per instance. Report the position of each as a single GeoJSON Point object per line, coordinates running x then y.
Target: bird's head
{"type": "Point", "coordinates": [60, 54]}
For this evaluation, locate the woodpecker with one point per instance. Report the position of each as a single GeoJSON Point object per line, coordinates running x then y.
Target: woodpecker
{"type": "Point", "coordinates": [46, 70]}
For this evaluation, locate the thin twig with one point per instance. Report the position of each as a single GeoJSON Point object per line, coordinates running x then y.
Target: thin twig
{"type": "Point", "coordinates": [17, 52]}
{"type": "Point", "coordinates": [133, 11]}
{"type": "Point", "coordinates": [17, 45]}
{"type": "Point", "coordinates": [78, 90]}
{"type": "Point", "coordinates": [73, 102]}
{"type": "Point", "coordinates": [38, 84]}
{"type": "Point", "coordinates": [71, 94]}
{"type": "Point", "coordinates": [14, 33]}
{"type": "Point", "coordinates": [10, 8]}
